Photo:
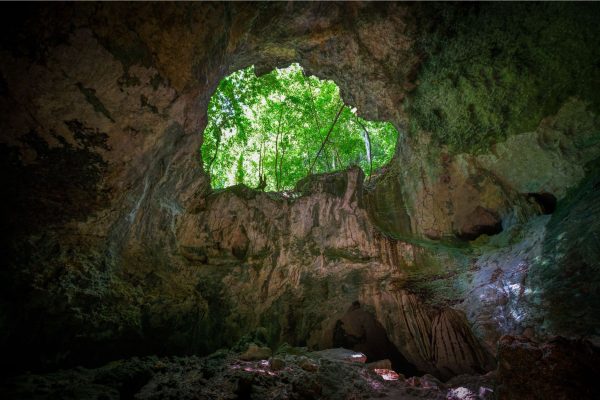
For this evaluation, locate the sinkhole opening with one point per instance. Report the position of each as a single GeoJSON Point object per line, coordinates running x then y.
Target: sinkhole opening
{"type": "Point", "coordinates": [360, 331]}
{"type": "Point", "coordinates": [268, 132]}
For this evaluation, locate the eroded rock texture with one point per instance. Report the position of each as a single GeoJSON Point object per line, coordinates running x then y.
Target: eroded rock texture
{"type": "Point", "coordinates": [114, 243]}
{"type": "Point", "coordinates": [564, 369]}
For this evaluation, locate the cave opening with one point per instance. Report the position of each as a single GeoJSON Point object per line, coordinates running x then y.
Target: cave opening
{"type": "Point", "coordinates": [125, 275]}
{"type": "Point", "coordinates": [546, 201]}
{"type": "Point", "coordinates": [270, 131]}
{"type": "Point", "coordinates": [360, 331]}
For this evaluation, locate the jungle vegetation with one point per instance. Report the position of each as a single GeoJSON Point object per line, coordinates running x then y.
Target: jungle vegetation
{"type": "Point", "coordinates": [269, 132]}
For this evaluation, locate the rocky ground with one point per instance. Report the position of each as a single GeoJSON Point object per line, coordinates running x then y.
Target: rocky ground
{"type": "Point", "coordinates": [560, 369]}
{"type": "Point", "coordinates": [291, 373]}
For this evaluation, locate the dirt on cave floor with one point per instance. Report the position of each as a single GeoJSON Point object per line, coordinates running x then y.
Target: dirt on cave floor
{"type": "Point", "coordinates": [291, 373]}
{"type": "Point", "coordinates": [559, 369]}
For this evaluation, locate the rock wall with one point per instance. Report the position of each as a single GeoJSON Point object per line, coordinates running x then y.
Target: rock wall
{"type": "Point", "coordinates": [564, 369]}
{"type": "Point", "coordinates": [115, 243]}
{"type": "Point", "coordinates": [294, 266]}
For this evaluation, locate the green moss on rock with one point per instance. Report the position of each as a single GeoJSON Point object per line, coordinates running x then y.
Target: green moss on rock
{"type": "Point", "coordinates": [493, 70]}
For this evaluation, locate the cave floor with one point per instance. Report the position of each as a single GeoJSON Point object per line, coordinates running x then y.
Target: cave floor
{"type": "Point", "coordinates": [224, 375]}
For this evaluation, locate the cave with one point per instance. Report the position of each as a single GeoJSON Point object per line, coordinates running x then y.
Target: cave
{"type": "Point", "coordinates": [360, 331]}
{"type": "Point", "coordinates": [546, 201]}
{"type": "Point", "coordinates": [434, 234]}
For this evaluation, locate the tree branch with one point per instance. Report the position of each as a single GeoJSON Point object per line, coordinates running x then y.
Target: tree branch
{"type": "Point", "coordinates": [326, 138]}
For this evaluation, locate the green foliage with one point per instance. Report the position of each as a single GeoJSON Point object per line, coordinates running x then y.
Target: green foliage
{"type": "Point", "coordinates": [493, 70]}
{"type": "Point", "coordinates": [274, 126]}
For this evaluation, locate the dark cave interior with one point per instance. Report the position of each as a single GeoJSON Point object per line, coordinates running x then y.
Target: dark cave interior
{"type": "Point", "coordinates": [462, 265]}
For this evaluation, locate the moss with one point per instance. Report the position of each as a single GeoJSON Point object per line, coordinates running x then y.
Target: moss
{"type": "Point", "coordinates": [493, 70]}
{"type": "Point", "coordinates": [334, 183]}
{"type": "Point", "coordinates": [445, 245]}
{"type": "Point", "coordinates": [341, 254]}
{"type": "Point", "coordinates": [241, 191]}
{"type": "Point", "coordinates": [90, 97]}
{"type": "Point", "coordinates": [440, 292]}
{"type": "Point", "coordinates": [439, 275]}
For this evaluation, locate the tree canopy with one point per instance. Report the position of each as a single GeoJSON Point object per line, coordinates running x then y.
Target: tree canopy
{"type": "Point", "coordinates": [268, 132]}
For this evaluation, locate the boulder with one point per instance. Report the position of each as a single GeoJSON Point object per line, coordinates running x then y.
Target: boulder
{"type": "Point", "coordinates": [342, 354]}
{"type": "Point", "coordinates": [308, 365]}
{"type": "Point", "coordinates": [255, 352]}
{"type": "Point", "coordinates": [276, 364]}
{"type": "Point", "coordinates": [380, 364]}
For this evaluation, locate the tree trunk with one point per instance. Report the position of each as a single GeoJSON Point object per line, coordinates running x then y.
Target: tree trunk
{"type": "Point", "coordinates": [367, 139]}
{"type": "Point", "coordinates": [279, 183]}
{"type": "Point", "coordinates": [314, 108]}
{"type": "Point", "coordinates": [214, 157]}
{"type": "Point", "coordinates": [277, 146]}
{"type": "Point", "coordinates": [326, 138]}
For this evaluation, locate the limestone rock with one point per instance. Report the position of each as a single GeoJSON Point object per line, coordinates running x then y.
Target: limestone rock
{"type": "Point", "coordinates": [480, 221]}
{"type": "Point", "coordinates": [482, 387]}
{"type": "Point", "coordinates": [555, 155]}
{"type": "Point", "coordinates": [425, 382]}
{"type": "Point", "coordinates": [255, 352]}
{"type": "Point", "coordinates": [388, 374]}
{"type": "Point", "coordinates": [308, 365]}
{"type": "Point", "coordinates": [558, 369]}
{"type": "Point", "coordinates": [440, 342]}
{"type": "Point", "coordinates": [501, 299]}
{"type": "Point", "coordinates": [461, 393]}
{"type": "Point", "coordinates": [360, 331]}
{"type": "Point", "coordinates": [455, 348]}
{"type": "Point", "coordinates": [380, 364]}
{"type": "Point", "coordinates": [115, 243]}
{"type": "Point", "coordinates": [341, 354]}
{"type": "Point", "coordinates": [276, 363]}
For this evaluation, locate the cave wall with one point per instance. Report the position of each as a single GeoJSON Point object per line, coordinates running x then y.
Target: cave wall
{"type": "Point", "coordinates": [115, 244]}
